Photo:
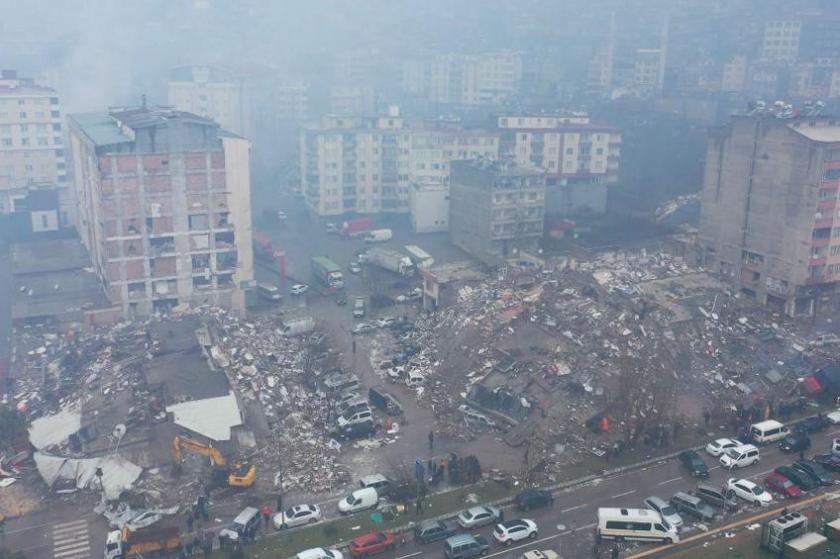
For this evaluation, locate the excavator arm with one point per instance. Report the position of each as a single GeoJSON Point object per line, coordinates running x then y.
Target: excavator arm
{"type": "Point", "coordinates": [180, 444]}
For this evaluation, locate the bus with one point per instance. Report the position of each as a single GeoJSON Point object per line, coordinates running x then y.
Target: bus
{"type": "Point", "coordinates": [419, 257]}
{"type": "Point", "coordinates": [634, 524]}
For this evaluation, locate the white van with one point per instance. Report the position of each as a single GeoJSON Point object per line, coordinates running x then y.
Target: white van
{"type": "Point", "coordinates": [634, 524]}
{"type": "Point", "coordinates": [269, 292]}
{"type": "Point", "coordinates": [768, 431]}
{"type": "Point", "coordinates": [740, 456]}
{"type": "Point", "coordinates": [358, 500]}
{"type": "Point", "coordinates": [414, 379]}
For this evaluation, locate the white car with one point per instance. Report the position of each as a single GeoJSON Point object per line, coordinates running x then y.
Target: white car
{"type": "Point", "coordinates": [718, 447]}
{"type": "Point", "coordinates": [749, 491]}
{"type": "Point", "coordinates": [386, 321]}
{"type": "Point", "coordinates": [298, 515]}
{"type": "Point", "coordinates": [396, 372]}
{"type": "Point", "coordinates": [544, 554]}
{"type": "Point", "coordinates": [319, 553]}
{"type": "Point", "coordinates": [363, 328]}
{"type": "Point", "coordinates": [833, 417]}
{"type": "Point", "coordinates": [835, 447]}
{"type": "Point", "coordinates": [281, 215]}
{"type": "Point", "coordinates": [355, 268]}
{"type": "Point", "coordinates": [478, 516]}
{"type": "Point", "coordinates": [516, 530]}
{"type": "Point", "coordinates": [299, 289]}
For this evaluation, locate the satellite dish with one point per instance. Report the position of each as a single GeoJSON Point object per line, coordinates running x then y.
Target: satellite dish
{"type": "Point", "coordinates": [119, 431]}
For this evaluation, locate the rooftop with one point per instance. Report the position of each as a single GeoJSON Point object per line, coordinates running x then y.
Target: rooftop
{"type": "Point", "coordinates": [48, 256]}
{"type": "Point", "coordinates": [819, 133]}
{"type": "Point", "coordinates": [104, 128]}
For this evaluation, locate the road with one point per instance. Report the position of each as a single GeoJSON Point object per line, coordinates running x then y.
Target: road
{"type": "Point", "coordinates": [568, 526]}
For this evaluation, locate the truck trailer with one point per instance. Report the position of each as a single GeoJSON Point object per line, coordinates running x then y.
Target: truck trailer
{"type": "Point", "coordinates": [327, 272]}
{"type": "Point", "coordinates": [356, 227]}
{"type": "Point", "coordinates": [378, 236]}
{"type": "Point", "coordinates": [419, 257]}
{"type": "Point", "coordinates": [391, 260]}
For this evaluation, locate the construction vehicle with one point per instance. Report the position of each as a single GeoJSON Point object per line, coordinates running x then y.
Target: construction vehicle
{"type": "Point", "coordinates": [234, 475]}
{"type": "Point", "coordinates": [151, 540]}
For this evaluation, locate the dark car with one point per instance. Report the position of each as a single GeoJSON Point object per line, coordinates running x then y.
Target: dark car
{"type": "Point", "coordinates": [533, 498]}
{"type": "Point", "coordinates": [694, 463]}
{"type": "Point", "coordinates": [796, 442]}
{"type": "Point", "coordinates": [816, 471]}
{"type": "Point", "coordinates": [354, 431]}
{"type": "Point", "coordinates": [800, 478]}
{"type": "Point", "coordinates": [811, 424]}
{"type": "Point", "coordinates": [341, 298]}
{"type": "Point", "coordinates": [716, 497]}
{"type": "Point", "coordinates": [828, 461]}
{"type": "Point", "coordinates": [434, 530]}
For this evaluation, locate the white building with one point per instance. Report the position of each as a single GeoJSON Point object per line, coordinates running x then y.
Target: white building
{"type": "Point", "coordinates": [32, 155]}
{"type": "Point", "coordinates": [429, 207]}
{"type": "Point", "coordinates": [212, 93]}
{"type": "Point", "coordinates": [487, 78]}
{"type": "Point", "coordinates": [781, 40]}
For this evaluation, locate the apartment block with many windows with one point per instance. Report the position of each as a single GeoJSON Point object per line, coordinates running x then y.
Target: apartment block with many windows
{"type": "Point", "coordinates": [770, 221]}
{"type": "Point", "coordinates": [164, 206]}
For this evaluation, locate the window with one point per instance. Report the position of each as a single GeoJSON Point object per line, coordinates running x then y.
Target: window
{"type": "Point", "coordinates": [55, 114]}
{"type": "Point", "coordinates": [56, 127]}
{"type": "Point", "coordinates": [24, 128]}
{"type": "Point", "coordinates": [570, 151]}
{"type": "Point", "coordinates": [24, 141]}
{"type": "Point", "coordinates": [831, 174]}
{"type": "Point", "coordinates": [7, 141]}
{"type": "Point", "coordinates": [43, 141]}
{"type": "Point", "coordinates": [22, 115]}
{"type": "Point", "coordinates": [835, 250]}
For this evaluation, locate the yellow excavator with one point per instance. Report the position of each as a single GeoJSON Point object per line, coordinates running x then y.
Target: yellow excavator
{"type": "Point", "coordinates": [235, 475]}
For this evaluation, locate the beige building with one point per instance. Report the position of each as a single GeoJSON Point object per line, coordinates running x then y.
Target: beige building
{"type": "Point", "coordinates": [769, 221]}
{"type": "Point", "coordinates": [781, 40]}
{"type": "Point", "coordinates": [214, 94]}
{"type": "Point", "coordinates": [32, 147]}
{"type": "Point", "coordinates": [580, 157]}
{"type": "Point", "coordinates": [164, 207]}
{"type": "Point", "coordinates": [366, 164]}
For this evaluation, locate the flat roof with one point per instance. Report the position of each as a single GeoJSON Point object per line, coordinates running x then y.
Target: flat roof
{"type": "Point", "coordinates": [48, 255]}
{"type": "Point", "coordinates": [100, 127]}
{"type": "Point", "coordinates": [57, 294]}
{"type": "Point", "coordinates": [819, 133]}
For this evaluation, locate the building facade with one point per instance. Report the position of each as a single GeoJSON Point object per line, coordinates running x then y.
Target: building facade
{"type": "Point", "coordinates": [164, 207]}
{"type": "Point", "coordinates": [481, 79]}
{"type": "Point", "coordinates": [214, 94]}
{"type": "Point", "coordinates": [32, 151]}
{"type": "Point", "coordinates": [769, 221]}
{"type": "Point", "coordinates": [496, 209]}
{"type": "Point", "coordinates": [367, 164]}
{"type": "Point", "coordinates": [429, 207]}
{"type": "Point", "coordinates": [580, 158]}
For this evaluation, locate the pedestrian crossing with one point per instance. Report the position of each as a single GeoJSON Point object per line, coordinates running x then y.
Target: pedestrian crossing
{"type": "Point", "coordinates": [71, 540]}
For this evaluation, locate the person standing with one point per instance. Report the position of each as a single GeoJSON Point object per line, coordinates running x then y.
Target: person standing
{"type": "Point", "coordinates": [431, 440]}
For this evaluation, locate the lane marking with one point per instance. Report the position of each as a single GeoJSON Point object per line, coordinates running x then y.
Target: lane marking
{"type": "Point", "coordinates": [69, 526]}
{"type": "Point", "coordinates": [80, 552]}
{"type": "Point", "coordinates": [75, 546]}
{"type": "Point", "coordinates": [623, 494]}
{"type": "Point", "coordinates": [669, 480]}
{"type": "Point", "coordinates": [574, 508]}
{"type": "Point", "coordinates": [415, 554]}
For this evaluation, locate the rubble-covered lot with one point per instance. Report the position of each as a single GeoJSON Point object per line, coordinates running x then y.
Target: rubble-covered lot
{"type": "Point", "coordinates": [531, 370]}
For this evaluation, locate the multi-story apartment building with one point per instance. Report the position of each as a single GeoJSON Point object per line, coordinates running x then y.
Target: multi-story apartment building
{"type": "Point", "coordinates": [212, 93]}
{"type": "Point", "coordinates": [497, 208]}
{"type": "Point", "coordinates": [164, 208]}
{"type": "Point", "coordinates": [481, 79]}
{"type": "Point", "coordinates": [580, 157]}
{"type": "Point", "coordinates": [781, 40]}
{"type": "Point", "coordinates": [32, 151]}
{"type": "Point", "coordinates": [366, 164]}
{"type": "Point", "coordinates": [769, 221]}
{"type": "Point", "coordinates": [358, 99]}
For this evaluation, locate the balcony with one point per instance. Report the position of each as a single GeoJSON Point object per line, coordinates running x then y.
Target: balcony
{"type": "Point", "coordinates": [827, 204]}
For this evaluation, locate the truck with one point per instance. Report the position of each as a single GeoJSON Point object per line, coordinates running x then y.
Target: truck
{"type": "Point", "coordinates": [327, 272]}
{"type": "Point", "coordinates": [391, 260]}
{"type": "Point", "coordinates": [297, 326]}
{"type": "Point", "coordinates": [378, 236]}
{"type": "Point", "coordinates": [419, 257]}
{"type": "Point", "coordinates": [150, 540]}
{"type": "Point", "coordinates": [356, 227]}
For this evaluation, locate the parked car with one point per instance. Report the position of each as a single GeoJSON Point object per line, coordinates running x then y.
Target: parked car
{"type": "Point", "coordinates": [372, 543]}
{"type": "Point", "coordinates": [355, 416]}
{"type": "Point", "coordinates": [363, 328]}
{"type": "Point", "coordinates": [665, 510]}
{"type": "Point", "coordinates": [354, 431]}
{"type": "Point", "coordinates": [740, 456]}
{"type": "Point", "coordinates": [835, 446]}
{"type": "Point", "coordinates": [830, 462]}
{"type": "Point", "coordinates": [332, 228]}
{"type": "Point", "coordinates": [434, 530]}
{"type": "Point", "coordinates": [694, 463]}
{"type": "Point", "coordinates": [694, 506]}
{"type": "Point", "coordinates": [299, 289]}
{"type": "Point", "coordinates": [379, 482]}
{"type": "Point", "coordinates": [319, 553]}
{"type": "Point", "coordinates": [298, 515]}
{"type": "Point", "coordinates": [798, 477]}
{"type": "Point", "coordinates": [385, 321]}
{"type": "Point", "coordinates": [833, 417]}
{"type": "Point", "coordinates": [544, 554]}
{"type": "Point", "coordinates": [813, 424]}
{"type": "Point", "coordinates": [820, 474]}
{"type": "Point", "coordinates": [719, 446]}
{"type": "Point", "coordinates": [355, 268]}
{"type": "Point", "coordinates": [716, 497]}
{"type": "Point", "coordinates": [341, 298]}
{"type": "Point", "coordinates": [465, 546]}
{"type": "Point", "coordinates": [359, 307]}
{"type": "Point", "coordinates": [511, 531]}
{"type": "Point", "coordinates": [782, 485]}
{"type": "Point", "coordinates": [796, 442]}
{"type": "Point", "coordinates": [478, 516]}
{"type": "Point", "coordinates": [533, 498]}
{"type": "Point", "coordinates": [749, 491]}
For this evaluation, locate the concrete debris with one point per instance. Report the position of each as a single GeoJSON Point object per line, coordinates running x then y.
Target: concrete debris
{"type": "Point", "coordinates": [110, 474]}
